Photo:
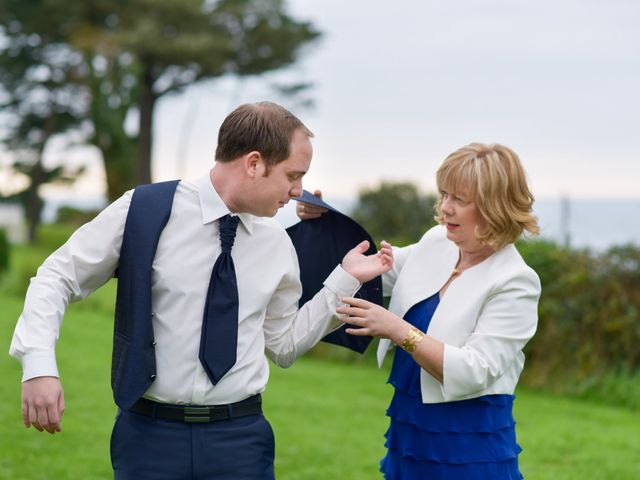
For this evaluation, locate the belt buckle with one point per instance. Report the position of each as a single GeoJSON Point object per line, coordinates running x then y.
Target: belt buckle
{"type": "Point", "coordinates": [197, 414]}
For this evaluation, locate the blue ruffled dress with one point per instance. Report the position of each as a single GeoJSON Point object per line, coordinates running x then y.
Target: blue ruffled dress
{"type": "Point", "coordinates": [468, 439]}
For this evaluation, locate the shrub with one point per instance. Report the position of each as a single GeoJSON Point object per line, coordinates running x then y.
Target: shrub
{"type": "Point", "coordinates": [4, 251]}
{"type": "Point", "coordinates": [589, 317]}
{"type": "Point", "coordinates": [74, 216]}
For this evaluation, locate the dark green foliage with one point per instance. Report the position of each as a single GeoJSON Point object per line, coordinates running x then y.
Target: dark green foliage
{"type": "Point", "coordinates": [396, 212]}
{"type": "Point", "coordinates": [4, 251]}
{"type": "Point", "coordinates": [74, 217]}
{"type": "Point", "coordinates": [25, 259]}
{"type": "Point", "coordinates": [589, 328]}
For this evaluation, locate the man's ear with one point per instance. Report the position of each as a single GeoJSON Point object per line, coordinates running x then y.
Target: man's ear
{"type": "Point", "coordinates": [254, 165]}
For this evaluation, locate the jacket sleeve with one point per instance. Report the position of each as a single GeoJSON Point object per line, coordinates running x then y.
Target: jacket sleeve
{"type": "Point", "coordinates": [506, 323]}
{"type": "Point", "coordinates": [400, 255]}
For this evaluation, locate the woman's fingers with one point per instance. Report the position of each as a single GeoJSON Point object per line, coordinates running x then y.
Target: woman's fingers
{"type": "Point", "coordinates": [359, 332]}
{"type": "Point", "coordinates": [352, 311]}
{"type": "Point", "coordinates": [306, 211]}
{"type": "Point", "coordinates": [357, 302]}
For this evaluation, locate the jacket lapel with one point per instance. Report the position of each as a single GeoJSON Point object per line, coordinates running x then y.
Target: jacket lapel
{"type": "Point", "coordinates": [424, 273]}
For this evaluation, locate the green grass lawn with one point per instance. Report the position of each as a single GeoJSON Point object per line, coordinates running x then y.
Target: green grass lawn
{"type": "Point", "coordinates": [328, 416]}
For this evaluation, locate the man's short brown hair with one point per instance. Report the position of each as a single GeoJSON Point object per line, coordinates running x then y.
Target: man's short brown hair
{"type": "Point", "coordinates": [264, 127]}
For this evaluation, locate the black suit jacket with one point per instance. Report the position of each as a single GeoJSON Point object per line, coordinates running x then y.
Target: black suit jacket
{"type": "Point", "coordinates": [321, 244]}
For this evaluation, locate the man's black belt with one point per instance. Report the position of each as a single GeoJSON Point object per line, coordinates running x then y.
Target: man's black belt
{"type": "Point", "coordinates": [196, 413]}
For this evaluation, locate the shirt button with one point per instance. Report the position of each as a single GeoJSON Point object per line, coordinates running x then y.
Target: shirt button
{"type": "Point", "coordinates": [152, 376]}
{"type": "Point", "coordinates": [153, 344]}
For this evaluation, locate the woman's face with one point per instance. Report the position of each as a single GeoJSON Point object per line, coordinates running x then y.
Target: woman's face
{"type": "Point", "coordinates": [461, 216]}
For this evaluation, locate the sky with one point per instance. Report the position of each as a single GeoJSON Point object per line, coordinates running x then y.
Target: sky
{"type": "Point", "coordinates": [399, 85]}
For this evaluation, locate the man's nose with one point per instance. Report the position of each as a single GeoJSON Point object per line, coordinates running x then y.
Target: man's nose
{"type": "Point", "coordinates": [296, 190]}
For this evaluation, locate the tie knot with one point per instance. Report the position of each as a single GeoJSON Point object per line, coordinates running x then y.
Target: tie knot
{"type": "Point", "coordinates": [228, 226]}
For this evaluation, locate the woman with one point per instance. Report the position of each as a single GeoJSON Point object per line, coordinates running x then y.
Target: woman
{"type": "Point", "coordinates": [463, 306]}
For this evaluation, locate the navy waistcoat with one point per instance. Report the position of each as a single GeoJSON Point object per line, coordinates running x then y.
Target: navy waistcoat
{"type": "Point", "coordinates": [133, 365]}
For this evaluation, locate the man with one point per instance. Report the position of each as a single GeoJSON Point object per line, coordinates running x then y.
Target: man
{"type": "Point", "coordinates": [188, 383]}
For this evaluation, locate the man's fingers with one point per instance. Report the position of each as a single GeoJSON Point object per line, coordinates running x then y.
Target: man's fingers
{"type": "Point", "coordinates": [363, 246]}
{"type": "Point", "coordinates": [25, 414]}
{"type": "Point", "coordinates": [43, 418]}
{"type": "Point", "coordinates": [317, 193]}
{"type": "Point", "coordinates": [54, 418]}
{"type": "Point", "coordinates": [33, 417]}
{"type": "Point", "coordinates": [61, 405]}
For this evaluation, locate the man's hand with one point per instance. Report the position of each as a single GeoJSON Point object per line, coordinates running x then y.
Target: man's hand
{"type": "Point", "coordinates": [306, 211]}
{"type": "Point", "coordinates": [43, 403]}
{"type": "Point", "coordinates": [365, 268]}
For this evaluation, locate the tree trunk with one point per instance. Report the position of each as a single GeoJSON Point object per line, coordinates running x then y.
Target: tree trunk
{"type": "Point", "coordinates": [145, 139]}
{"type": "Point", "coordinates": [118, 159]}
{"type": "Point", "coordinates": [118, 177]}
{"type": "Point", "coordinates": [34, 203]}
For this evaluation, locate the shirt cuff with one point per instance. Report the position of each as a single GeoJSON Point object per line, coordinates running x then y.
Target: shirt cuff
{"type": "Point", "coordinates": [342, 283]}
{"type": "Point", "coordinates": [39, 364]}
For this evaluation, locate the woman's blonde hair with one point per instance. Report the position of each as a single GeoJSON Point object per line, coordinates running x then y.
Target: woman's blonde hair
{"type": "Point", "coordinates": [494, 179]}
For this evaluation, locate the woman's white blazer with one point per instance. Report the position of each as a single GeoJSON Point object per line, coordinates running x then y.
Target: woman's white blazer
{"type": "Point", "coordinates": [484, 319]}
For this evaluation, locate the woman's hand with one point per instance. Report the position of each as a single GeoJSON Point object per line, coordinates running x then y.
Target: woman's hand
{"type": "Point", "coordinates": [373, 319]}
{"type": "Point", "coordinates": [377, 321]}
{"type": "Point", "coordinates": [306, 211]}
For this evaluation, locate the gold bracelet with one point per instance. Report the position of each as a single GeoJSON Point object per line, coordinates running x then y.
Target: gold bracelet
{"type": "Point", "coordinates": [411, 340]}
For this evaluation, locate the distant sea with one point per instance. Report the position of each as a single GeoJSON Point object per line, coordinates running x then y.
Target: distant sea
{"type": "Point", "coordinates": [584, 223]}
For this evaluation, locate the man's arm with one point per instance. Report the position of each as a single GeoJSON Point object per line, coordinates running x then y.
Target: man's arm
{"type": "Point", "coordinates": [289, 331]}
{"type": "Point", "coordinates": [85, 262]}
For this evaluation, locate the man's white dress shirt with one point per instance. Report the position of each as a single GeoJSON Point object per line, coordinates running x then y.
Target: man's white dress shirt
{"type": "Point", "coordinates": [267, 271]}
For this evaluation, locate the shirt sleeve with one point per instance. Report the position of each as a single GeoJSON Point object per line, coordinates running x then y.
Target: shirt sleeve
{"type": "Point", "coordinates": [507, 322]}
{"type": "Point", "coordinates": [289, 331]}
{"type": "Point", "coordinates": [85, 262]}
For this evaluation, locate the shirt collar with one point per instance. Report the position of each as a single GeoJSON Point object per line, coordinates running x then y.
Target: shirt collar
{"type": "Point", "coordinates": [213, 207]}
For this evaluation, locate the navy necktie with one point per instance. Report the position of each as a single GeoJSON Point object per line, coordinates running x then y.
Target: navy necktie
{"type": "Point", "coordinates": [219, 339]}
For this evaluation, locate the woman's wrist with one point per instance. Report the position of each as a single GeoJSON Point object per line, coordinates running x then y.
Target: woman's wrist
{"type": "Point", "coordinates": [410, 339]}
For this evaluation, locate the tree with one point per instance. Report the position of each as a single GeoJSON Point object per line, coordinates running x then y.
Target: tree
{"type": "Point", "coordinates": [40, 100]}
{"type": "Point", "coordinates": [112, 88]}
{"type": "Point", "coordinates": [172, 44]}
{"type": "Point", "coordinates": [131, 54]}
{"type": "Point", "coordinates": [396, 212]}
